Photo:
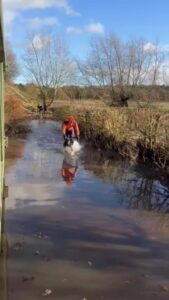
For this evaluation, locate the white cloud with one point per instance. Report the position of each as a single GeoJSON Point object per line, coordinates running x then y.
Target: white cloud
{"type": "Point", "coordinates": [39, 42]}
{"type": "Point", "coordinates": [95, 27]}
{"type": "Point", "coordinates": [38, 22]}
{"type": "Point", "coordinates": [41, 4]}
{"type": "Point", "coordinates": [9, 16]}
{"type": "Point", "coordinates": [149, 47]}
{"type": "Point", "coordinates": [164, 48]}
{"type": "Point", "coordinates": [12, 7]}
{"type": "Point", "coordinates": [73, 30]}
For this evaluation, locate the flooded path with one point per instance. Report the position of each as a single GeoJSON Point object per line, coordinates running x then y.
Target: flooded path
{"type": "Point", "coordinates": [84, 228]}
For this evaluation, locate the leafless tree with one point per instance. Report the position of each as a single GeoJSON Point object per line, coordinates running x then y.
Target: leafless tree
{"type": "Point", "coordinates": [12, 68]}
{"type": "Point", "coordinates": [158, 59]}
{"type": "Point", "coordinates": [140, 58]}
{"type": "Point", "coordinates": [104, 66]}
{"type": "Point", "coordinates": [119, 66]}
{"type": "Point", "coordinates": [48, 64]}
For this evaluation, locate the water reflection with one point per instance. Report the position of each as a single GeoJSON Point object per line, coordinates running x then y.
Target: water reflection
{"type": "Point", "coordinates": [81, 242]}
{"type": "Point", "coordinates": [69, 168]}
{"type": "Point", "coordinates": [14, 152]}
{"type": "Point", "coordinates": [141, 188]}
{"type": "Point", "coordinates": [146, 193]}
{"type": "Point", "coordinates": [38, 168]}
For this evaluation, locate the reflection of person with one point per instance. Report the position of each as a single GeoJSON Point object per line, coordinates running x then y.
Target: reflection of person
{"type": "Point", "coordinates": [70, 129]}
{"type": "Point", "coordinates": [69, 169]}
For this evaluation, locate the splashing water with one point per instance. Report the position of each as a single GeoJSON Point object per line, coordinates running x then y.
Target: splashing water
{"type": "Point", "coordinates": [73, 149]}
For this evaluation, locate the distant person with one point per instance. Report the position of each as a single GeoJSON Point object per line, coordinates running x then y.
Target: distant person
{"type": "Point", "coordinates": [70, 130]}
{"type": "Point", "coordinates": [39, 108]}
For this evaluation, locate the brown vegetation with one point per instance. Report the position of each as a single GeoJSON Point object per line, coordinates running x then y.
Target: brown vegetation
{"type": "Point", "coordinates": [140, 96]}
{"type": "Point", "coordinates": [15, 113]}
{"type": "Point", "coordinates": [14, 110]}
{"type": "Point", "coordinates": [139, 134]}
{"type": "Point", "coordinates": [135, 133]}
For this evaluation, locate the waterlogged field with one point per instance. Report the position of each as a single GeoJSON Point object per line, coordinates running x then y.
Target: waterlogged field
{"type": "Point", "coordinates": [101, 235]}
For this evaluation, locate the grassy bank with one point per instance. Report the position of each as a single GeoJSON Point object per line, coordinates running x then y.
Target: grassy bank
{"type": "Point", "coordinates": [16, 112]}
{"type": "Point", "coordinates": [139, 134]}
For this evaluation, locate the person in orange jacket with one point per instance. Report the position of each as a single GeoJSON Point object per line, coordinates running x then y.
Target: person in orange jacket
{"type": "Point", "coordinates": [70, 129]}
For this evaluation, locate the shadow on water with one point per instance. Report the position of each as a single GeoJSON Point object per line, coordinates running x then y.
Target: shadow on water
{"type": "Point", "coordinates": [88, 253]}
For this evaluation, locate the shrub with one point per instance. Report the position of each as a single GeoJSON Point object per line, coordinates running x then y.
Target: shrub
{"type": "Point", "coordinates": [14, 110]}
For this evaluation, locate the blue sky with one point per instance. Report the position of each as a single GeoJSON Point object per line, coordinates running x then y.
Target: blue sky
{"type": "Point", "coordinates": [78, 20]}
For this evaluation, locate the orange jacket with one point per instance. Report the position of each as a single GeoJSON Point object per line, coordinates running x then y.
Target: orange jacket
{"type": "Point", "coordinates": [71, 125]}
{"type": "Point", "coordinates": [69, 175]}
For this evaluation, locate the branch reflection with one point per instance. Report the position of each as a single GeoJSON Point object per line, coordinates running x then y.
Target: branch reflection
{"type": "Point", "coordinates": [140, 187]}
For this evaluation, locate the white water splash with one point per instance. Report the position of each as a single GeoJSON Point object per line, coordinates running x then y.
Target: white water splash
{"type": "Point", "coordinates": [73, 149]}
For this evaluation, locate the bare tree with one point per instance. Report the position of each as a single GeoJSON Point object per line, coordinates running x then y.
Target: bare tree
{"type": "Point", "coordinates": [48, 65]}
{"type": "Point", "coordinates": [140, 56]}
{"type": "Point", "coordinates": [103, 66]}
{"type": "Point", "coordinates": [118, 66]}
{"type": "Point", "coordinates": [106, 66]}
{"type": "Point", "coordinates": [12, 69]}
{"type": "Point", "coordinates": [158, 59]}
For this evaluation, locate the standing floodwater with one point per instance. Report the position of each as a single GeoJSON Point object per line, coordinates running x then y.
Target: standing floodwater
{"type": "Point", "coordinates": [83, 227]}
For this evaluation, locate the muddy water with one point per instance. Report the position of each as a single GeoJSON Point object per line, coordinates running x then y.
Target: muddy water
{"type": "Point", "coordinates": [83, 227]}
